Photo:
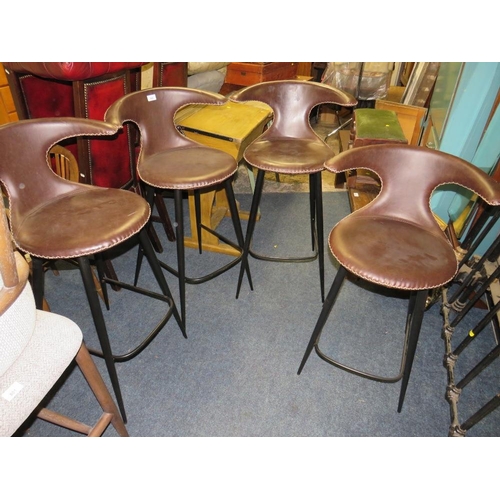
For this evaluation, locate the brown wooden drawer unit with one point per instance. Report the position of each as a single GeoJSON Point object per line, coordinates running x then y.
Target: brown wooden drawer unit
{"type": "Point", "coordinates": [245, 74]}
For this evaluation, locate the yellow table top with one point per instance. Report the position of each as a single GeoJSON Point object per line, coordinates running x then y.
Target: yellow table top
{"type": "Point", "coordinates": [232, 121]}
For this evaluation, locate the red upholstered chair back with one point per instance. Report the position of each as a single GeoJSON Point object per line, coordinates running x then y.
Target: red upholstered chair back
{"type": "Point", "coordinates": [170, 74]}
{"type": "Point", "coordinates": [83, 90]}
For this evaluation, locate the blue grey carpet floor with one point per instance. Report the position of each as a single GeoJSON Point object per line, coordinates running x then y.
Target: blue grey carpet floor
{"type": "Point", "coordinates": [236, 373]}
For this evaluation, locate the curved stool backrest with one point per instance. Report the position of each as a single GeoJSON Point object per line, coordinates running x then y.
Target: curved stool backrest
{"type": "Point", "coordinates": [409, 175]}
{"type": "Point", "coordinates": [33, 182]}
{"type": "Point", "coordinates": [292, 102]}
{"type": "Point", "coordinates": [153, 112]}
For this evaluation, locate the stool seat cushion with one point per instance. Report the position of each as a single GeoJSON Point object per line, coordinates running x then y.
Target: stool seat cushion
{"type": "Point", "coordinates": [393, 252]}
{"type": "Point", "coordinates": [191, 167]}
{"type": "Point", "coordinates": [395, 240]}
{"type": "Point", "coordinates": [288, 155]}
{"type": "Point", "coordinates": [85, 221]}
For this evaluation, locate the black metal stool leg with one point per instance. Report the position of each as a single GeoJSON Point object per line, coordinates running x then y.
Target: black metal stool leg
{"type": "Point", "coordinates": [318, 205]}
{"type": "Point", "coordinates": [150, 196]}
{"type": "Point", "coordinates": [160, 278]}
{"type": "Point", "coordinates": [233, 209]}
{"type": "Point", "coordinates": [252, 219]}
{"type": "Point", "coordinates": [100, 325]}
{"type": "Point", "coordinates": [138, 265]}
{"type": "Point", "coordinates": [163, 216]}
{"type": "Point", "coordinates": [197, 210]}
{"type": "Point", "coordinates": [325, 312]}
{"type": "Point", "coordinates": [312, 210]}
{"type": "Point", "coordinates": [416, 310]}
{"type": "Point", "coordinates": [101, 274]}
{"type": "Point", "coordinates": [37, 281]}
{"type": "Point", "coordinates": [315, 205]}
{"type": "Point", "coordinates": [181, 262]}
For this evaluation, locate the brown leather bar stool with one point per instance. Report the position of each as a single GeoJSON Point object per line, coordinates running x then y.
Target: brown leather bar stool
{"type": "Point", "coordinates": [395, 241]}
{"type": "Point", "coordinates": [290, 146]}
{"type": "Point", "coordinates": [36, 347]}
{"type": "Point", "coordinates": [166, 74]}
{"type": "Point", "coordinates": [53, 218]}
{"type": "Point", "coordinates": [81, 90]}
{"type": "Point", "coordinates": [169, 160]}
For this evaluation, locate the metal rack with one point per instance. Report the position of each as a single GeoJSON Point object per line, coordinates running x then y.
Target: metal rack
{"type": "Point", "coordinates": [477, 284]}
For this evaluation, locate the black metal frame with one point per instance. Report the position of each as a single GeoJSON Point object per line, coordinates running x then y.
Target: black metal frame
{"type": "Point", "coordinates": [180, 272]}
{"type": "Point", "coordinates": [96, 310]}
{"type": "Point", "coordinates": [481, 274]}
{"type": "Point", "coordinates": [416, 308]}
{"type": "Point", "coordinates": [317, 230]}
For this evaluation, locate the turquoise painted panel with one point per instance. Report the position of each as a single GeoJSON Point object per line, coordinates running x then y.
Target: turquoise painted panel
{"type": "Point", "coordinates": [470, 109]}
{"type": "Point", "coordinates": [488, 151]}
{"type": "Point", "coordinates": [443, 96]}
{"type": "Point", "coordinates": [486, 157]}
{"type": "Point", "coordinates": [489, 239]}
{"type": "Point", "coordinates": [488, 154]}
{"type": "Point", "coordinates": [472, 105]}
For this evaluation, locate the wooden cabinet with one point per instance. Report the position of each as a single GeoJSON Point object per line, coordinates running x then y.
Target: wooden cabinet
{"type": "Point", "coordinates": [7, 107]}
{"type": "Point", "coordinates": [245, 74]}
{"type": "Point", "coordinates": [305, 69]}
{"type": "Point", "coordinates": [411, 118]}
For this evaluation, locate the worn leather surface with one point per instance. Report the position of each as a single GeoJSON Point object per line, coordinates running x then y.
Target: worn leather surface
{"type": "Point", "coordinates": [167, 158]}
{"type": "Point", "coordinates": [70, 71]}
{"type": "Point", "coordinates": [395, 240]}
{"type": "Point", "coordinates": [50, 216]}
{"type": "Point", "coordinates": [290, 145]}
